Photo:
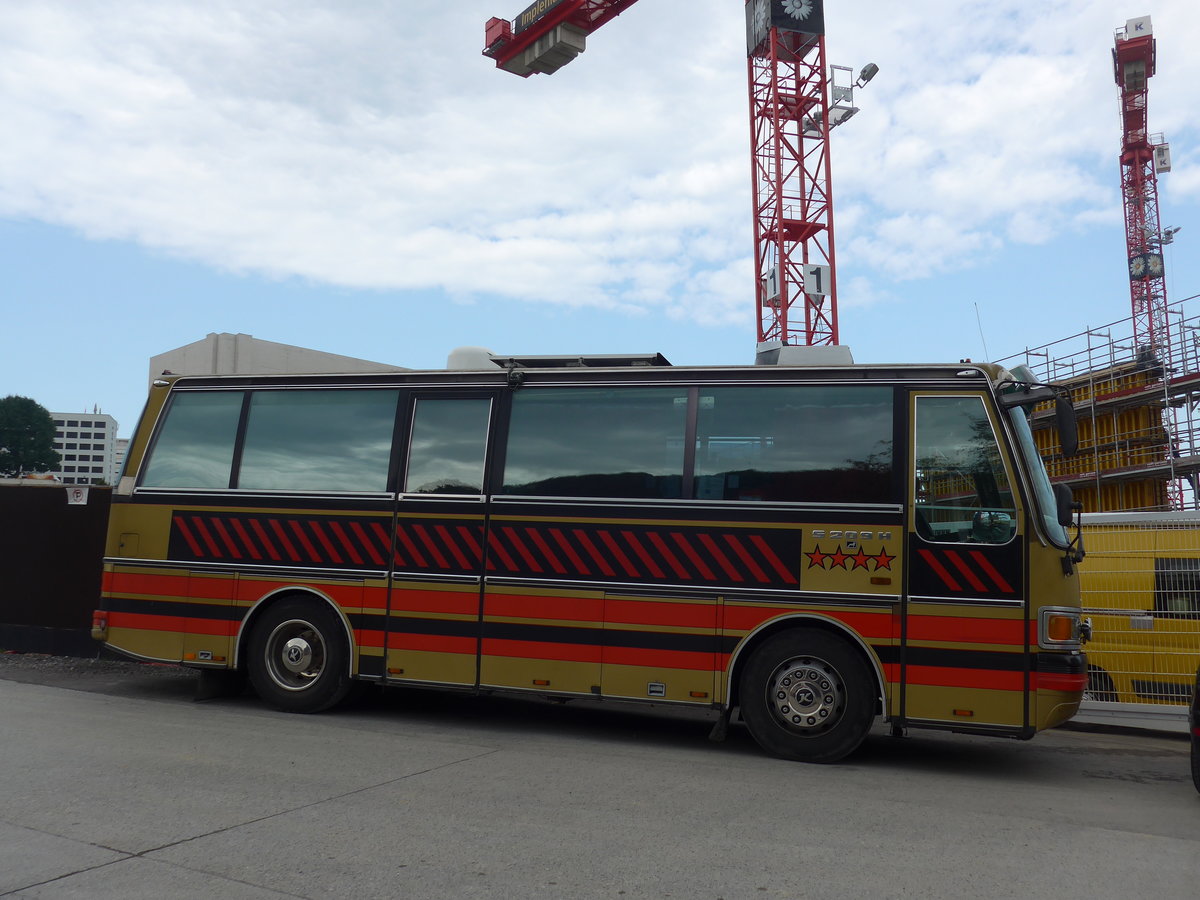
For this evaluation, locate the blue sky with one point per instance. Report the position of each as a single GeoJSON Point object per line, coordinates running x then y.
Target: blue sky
{"type": "Point", "coordinates": [357, 178]}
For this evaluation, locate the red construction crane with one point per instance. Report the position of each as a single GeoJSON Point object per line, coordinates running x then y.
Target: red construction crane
{"type": "Point", "coordinates": [790, 118]}
{"type": "Point", "coordinates": [1142, 156]}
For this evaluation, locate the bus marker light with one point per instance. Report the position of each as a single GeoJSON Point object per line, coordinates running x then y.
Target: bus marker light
{"type": "Point", "coordinates": [881, 579]}
{"type": "Point", "coordinates": [395, 671]}
{"type": "Point", "coordinates": [1060, 628]}
{"type": "Point", "coordinates": [100, 625]}
{"type": "Point", "coordinates": [966, 713]}
{"type": "Point", "coordinates": [699, 695]}
{"type": "Point", "coordinates": [541, 682]}
{"type": "Point", "coordinates": [189, 656]}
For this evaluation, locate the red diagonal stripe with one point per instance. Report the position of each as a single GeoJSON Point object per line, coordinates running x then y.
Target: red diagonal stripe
{"type": "Point", "coordinates": [413, 553]}
{"type": "Point", "coordinates": [661, 546]}
{"type": "Point", "coordinates": [298, 530]}
{"type": "Point", "coordinates": [444, 534]}
{"type": "Point", "coordinates": [283, 539]}
{"type": "Point", "coordinates": [937, 567]}
{"type": "Point", "coordinates": [226, 539]}
{"type": "Point", "coordinates": [722, 561]}
{"type": "Point", "coordinates": [561, 539]}
{"type": "Point", "coordinates": [347, 545]}
{"type": "Point", "coordinates": [643, 555]}
{"type": "Point", "coordinates": [690, 552]}
{"type": "Point", "coordinates": [511, 534]}
{"type": "Point", "coordinates": [961, 565]}
{"type": "Point", "coordinates": [987, 567]}
{"type": "Point", "coordinates": [431, 546]}
{"type": "Point", "coordinates": [555, 564]}
{"type": "Point", "coordinates": [187, 536]}
{"type": "Point", "coordinates": [325, 542]}
{"type": "Point", "coordinates": [206, 537]}
{"type": "Point", "coordinates": [472, 544]}
{"type": "Point", "coordinates": [769, 555]}
{"type": "Point", "coordinates": [266, 541]}
{"type": "Point", "coordinates": [582, 537]}
{"type": "Point", "coordinates": [497, 548]}
{"type": "Point", "coordinates": [245, 539]}
{"type": "Point", "coordinates": [611, 543]}
{"type": "Point", "coordinates": [745, 557]}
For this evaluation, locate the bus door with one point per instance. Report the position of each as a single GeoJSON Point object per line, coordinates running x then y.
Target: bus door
{"type": "Point", "coordinates": [965, 636]}
{"type": "Point", "coordinates": [590, 584]}
{"type": "Point", "coordinates": [438, 549]}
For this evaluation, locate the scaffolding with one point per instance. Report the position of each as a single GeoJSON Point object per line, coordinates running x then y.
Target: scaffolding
{"type": "Point", "coordinates": [1137, 406]}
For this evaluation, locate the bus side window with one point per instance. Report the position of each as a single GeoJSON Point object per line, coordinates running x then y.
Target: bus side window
{"type": "Point", "coordinates": [194, 447]}
{"type": "Point", "coordinates": [318, 440]}
{"type": "Point", "coordinates": [623, 442]}
{"type": "Point", "coordinates": [795, 443]}
{"type": "Point", "coordinates": [447, 446]}
{"type": "Point", "coordinates": [962, 489]}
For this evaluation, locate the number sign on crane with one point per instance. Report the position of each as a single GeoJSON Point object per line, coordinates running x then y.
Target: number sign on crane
{"type": "Point", "coordinates": [795, 287]}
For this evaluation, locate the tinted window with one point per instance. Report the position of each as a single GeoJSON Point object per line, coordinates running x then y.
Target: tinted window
{"type": "Point", "coordinates": [447, 446]}
{"type": "Point", "coordinates": [602, 442]}
{"type": "Point", "coordinates": [194, 449]}
{"type": "Point", "coordinates": [320, 440]}
{"type": "Point", "coordinates": [795, 443]}
{"type": "Point", "coordinates": [962, 488]}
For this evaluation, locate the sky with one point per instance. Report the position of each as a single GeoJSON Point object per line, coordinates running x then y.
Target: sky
{"type": "Point", "coordinates": [355, 177]}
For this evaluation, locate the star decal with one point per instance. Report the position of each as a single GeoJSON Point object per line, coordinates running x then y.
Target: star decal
{"type": "Point", "coordinates": [838, 558]}
{"type": "Point", "coordinates": [816, 559]}
{"type": "Point", "coordinates": [860, 559]}
{"type": "Point", "coordinates": [882, 560]}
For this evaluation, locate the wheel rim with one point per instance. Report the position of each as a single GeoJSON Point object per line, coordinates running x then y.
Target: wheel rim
{"type": "Point", "coordinates": [295, 655]}
{"type": "Point", "coordinates": [806, 695]}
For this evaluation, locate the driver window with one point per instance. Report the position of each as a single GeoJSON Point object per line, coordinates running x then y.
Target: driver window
{"type": "Point", "coordinates": [962, 490]}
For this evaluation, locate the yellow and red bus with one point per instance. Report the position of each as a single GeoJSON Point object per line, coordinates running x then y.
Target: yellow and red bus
{"type": "Point", "coordinates": [811, 546]}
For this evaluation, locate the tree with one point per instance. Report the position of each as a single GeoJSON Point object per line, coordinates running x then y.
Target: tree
{"type": "Point", "coordinates": [26, 437]}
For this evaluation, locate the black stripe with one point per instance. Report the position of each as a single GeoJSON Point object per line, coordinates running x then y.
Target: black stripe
{"type": "Point", "coordinates": [174, 608]}
{"type": "Point", "coordinates": [999, 661]}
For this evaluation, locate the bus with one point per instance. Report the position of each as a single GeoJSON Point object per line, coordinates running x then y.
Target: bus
{"type": "Point", "coordinates": [806, 546]}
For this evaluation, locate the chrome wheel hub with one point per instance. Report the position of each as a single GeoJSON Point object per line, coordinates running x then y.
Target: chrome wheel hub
{"type": "Point", "coordinates": [295, 655]}
{"type": "Point", "coordinates": [806, 695]}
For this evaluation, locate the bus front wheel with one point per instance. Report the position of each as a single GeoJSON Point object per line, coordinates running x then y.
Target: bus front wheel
{"type": "Point", "coordinates": [299, 658]}
{"type": "Point", "coordinates": [807, 695]}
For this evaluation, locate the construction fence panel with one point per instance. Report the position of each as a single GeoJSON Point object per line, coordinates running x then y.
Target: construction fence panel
{"type": "Point", "coordinates": [1140, 585]}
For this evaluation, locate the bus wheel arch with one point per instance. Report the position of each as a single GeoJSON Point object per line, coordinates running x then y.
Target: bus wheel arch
{"type": "Point", "coordinates": [808, 689]}
{"type": "Point", "coordinates": [297, 649]}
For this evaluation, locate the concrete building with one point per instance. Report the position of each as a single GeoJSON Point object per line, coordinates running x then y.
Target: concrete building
{"type": "Point", "coordinates": [242, 354]}
{"type": "Point", "coordinates": [87, 444]}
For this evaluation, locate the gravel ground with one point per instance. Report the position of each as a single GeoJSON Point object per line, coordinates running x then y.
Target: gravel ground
{"type": "Point", "coordinates": [105, 675]}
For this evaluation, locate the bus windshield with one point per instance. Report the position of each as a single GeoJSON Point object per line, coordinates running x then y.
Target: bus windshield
{"type": "Point", "coordinates": [1040, 481]}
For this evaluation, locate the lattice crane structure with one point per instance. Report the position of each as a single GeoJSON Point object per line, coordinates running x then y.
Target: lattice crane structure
{"type": "Point", "coordinates": [793, 105]}
{"type": "Point", "coordinates": [1143, 155]}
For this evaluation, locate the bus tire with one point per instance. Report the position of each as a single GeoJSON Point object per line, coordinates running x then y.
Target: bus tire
{"type": "Point", "coordinates": [299, 657]}
{"type": "Point", "coordinates": [808, 695]}
{"type": "Point", "coordinates": [1099, 686]}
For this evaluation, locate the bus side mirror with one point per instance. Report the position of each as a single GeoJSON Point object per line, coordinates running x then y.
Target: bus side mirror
{"type": "Point", "coordinates": [1065, 503]}
{"type": "Point", "coordinates": [1068, 431]}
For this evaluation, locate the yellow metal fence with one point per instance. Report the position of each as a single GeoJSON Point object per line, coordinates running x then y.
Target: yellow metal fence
{"type": "Point", "coordinates": [1141, 590]}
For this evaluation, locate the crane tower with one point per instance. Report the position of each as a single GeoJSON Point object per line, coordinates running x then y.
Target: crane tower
{"type": "Point", "coordinates": [1142, 156]}
{"type": "Point", "coordinates": [791, 113]}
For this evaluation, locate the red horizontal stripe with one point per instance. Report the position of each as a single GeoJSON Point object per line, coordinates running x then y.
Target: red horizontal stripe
{"type": "Point", "coordinates": [975, 631]}
{"type": "Point", "coordinates": [432, 643]}
{"type": "Point", "coordinates": [945, 676]}
{"type": "Point", "coordinates": [650, 612]}
{"type": "Point", "coordinates": [1053, 681]}
{"type": "Point", "coordinates": [671, 659]}
{"type": "Point", "coordinates": [872, 626]}
{"type": "Point", "coordinates": [144, 622]}
{"type": "Point", "coordinates": [589, 653]}
{"type": "Point", "coordinates": [585, 610]}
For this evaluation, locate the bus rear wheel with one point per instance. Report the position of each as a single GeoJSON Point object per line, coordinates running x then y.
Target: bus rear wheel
{"type": "Point", "coordinates": [299, 658]}
{"type": "Point", "coordinates": [807, 695]}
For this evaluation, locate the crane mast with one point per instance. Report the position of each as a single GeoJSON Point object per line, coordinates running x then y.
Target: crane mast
{"type": "Point", "coordinates": [1142, 155]}
{"type": "Point", "coordinates": [795, 293]}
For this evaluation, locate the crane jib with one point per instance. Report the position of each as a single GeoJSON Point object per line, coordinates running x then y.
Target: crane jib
{"type": "Point", "coordinates": [532, 13]}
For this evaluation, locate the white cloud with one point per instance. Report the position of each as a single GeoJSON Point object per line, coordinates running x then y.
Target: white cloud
{"type": "Point", "coordinates": [370, 145]}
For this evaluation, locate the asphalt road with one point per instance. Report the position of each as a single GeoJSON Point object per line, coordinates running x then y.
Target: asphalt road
{"type": "Point", "coordinates": [115, 783]}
